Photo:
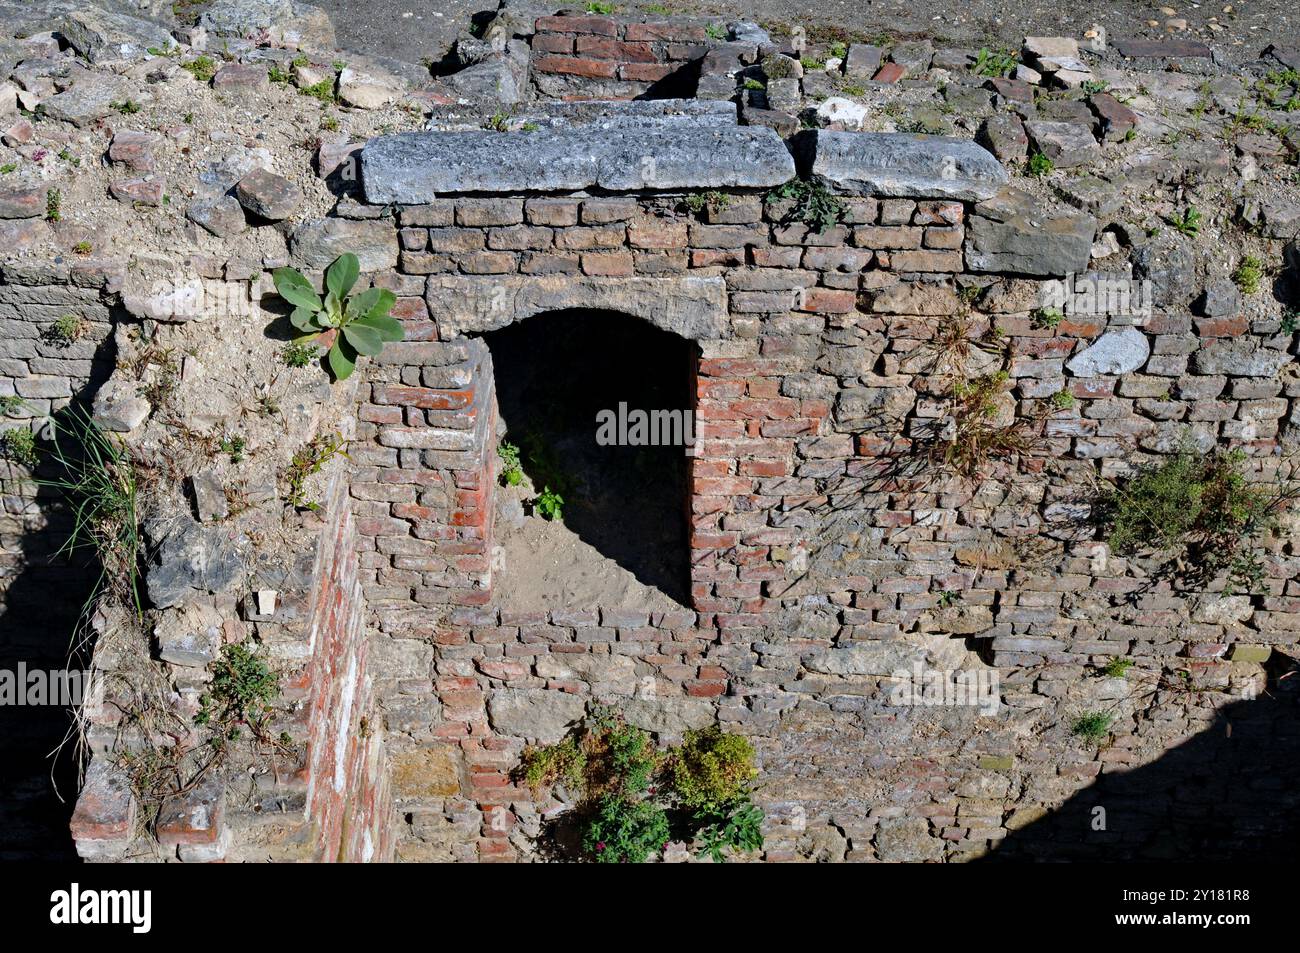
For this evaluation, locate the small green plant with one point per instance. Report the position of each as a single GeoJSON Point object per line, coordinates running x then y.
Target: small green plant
{"type": "Point", "coordinates": [737, 828]}
{"type": "Point", "coordinates": [563, 761]}
{"type": "Point", "coordinates": [549, 505]}
{"type": "Point", "coordinates": [299, 355]}
{"type": "Point", "coordinates": [1091, 87]}
{"type": "Point", "coordinates": [241, 690]}
{"type": "Point", "coordinates": [1290, 321]}
{"type": "Point", "coordinates": [1188, 223]}
{"type": "Point", "coordinates": [752, 83]}
{"type": "Point", "coordinates": [712, 767]}
{"type": "Point", "coordinates": [202, 68]}
{"type": "Point", "coordinates": [947, 598]}
{"type": "Point", "coordinates": [10, 403]}
{"type": "Point", "coordinates": [499, 121]}
{"type": "Point", "coordinates": [994, 63]}
{"type": "Point", "coordinates": [329, 123]}
{"type": "Point", "coordinates": [713, 200]}
{"type": "Point", "coordinates": [8, 167]}
{"type": "Point", "coordinates": [18, 445]}
{"type": "Point", "coordinates": [600, 8]}
{"type": "Point", "coordinates": [324, 91]}
{"type": "Point", "coordinates": [1092, 726]}
{"type": "Point", "coordinates": [512, 471]}
{"type": "Point", "coordinates": [357, 325]}
{"type": "Point", "coordinates": [624, 831]}
{"type": "Point", "coordinates": [1047, 318]}
{"type": "Point", "coordinates": [65, 331]}
{"type": "Point", "coordinates": [234, 445]}
{"type": "Point", "coordinates": [82, 248]}
{"type": "Point", "coordinates": [810, 202]}
{"type": "Point", "coordinates": [1039, 165]}
{"type": "Point", "coordinates": [1197, 506]}
{"type": "Point", "coordinates": [278, 74]}
{"type": "Point", "coordinates": [128, 107]}
{"type": "Point", "coordinates": [1062, 400]}
{"type": "Point", "coordinates": [715, 31]}
{"type": "Point", "coordinates": [812, 64]}
{"type": "Point", "coordinates": [1117, 667]}
{"type": "Point", "coordinates": [54, 206]}
{"type": "Point", "coordinates": [66, 155]}
{"type": "Point", "coordinates": [1248, 274]}
{"type": "Point", "coordinates": [310, 460]}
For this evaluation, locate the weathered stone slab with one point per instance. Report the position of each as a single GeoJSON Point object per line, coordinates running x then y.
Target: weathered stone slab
{"type": "Point", "coordinates": [1016, 233]}
{"type": "Point", "coordinates": [1137, 48]}
{"type": "Point", "coordinates": [104, 37]}
{"type": "Point", "coordinates": [900, 164]}
{"type": "Point", "coordinates": [374, 242]}
{"type": "Point", "coordinates": [670, 716]}
{"type": "Point", "coordinates": [416, 167]}
{"type": "Point", "coordinates": [866, 658]}
{"type": "Point", "coordinates": [1115, 352]}
{"type": "Point", "coordinates": [536, 714]}
{"type": "Point", "coordinates": [692, 307]}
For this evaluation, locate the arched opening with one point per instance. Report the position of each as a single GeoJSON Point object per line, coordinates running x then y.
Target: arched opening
{"type": "Point", "coordinates": [599, 406]}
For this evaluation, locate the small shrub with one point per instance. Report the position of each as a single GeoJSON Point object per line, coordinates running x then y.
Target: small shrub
{"type": "Point", "coordinates": [202, 68]}
{"type": "Point", "coordinates": [1092, 725]}
{"type": "Point", "coordinates": [563, 761]}
{"type": "Point", "coordinates": [712, 767]}
{"type": "Point", "coordinates": [549, 505]}
{"type": "Point", "coordinates": [360, 324]}
{"type": "Point", "coordinates": [324, 91]}
{"type": "Point", "coordinates": [811, 203]}
{"type": "Point", "coordinates": [240, 692]}
{"type": "Point", "coordinates": [19, 446]}
{"type": "Point", "coordinates": [1092, 87]}
{"type": "Point", "coordinates": [310, 460]}
{"type": "Point", "coordinates": [624, 831]}
{"type": "Point", "coordinates": [1039, 165]}
{"type": "Point", "coordinates": [1248, 274]}
{"type": "Point", "coordinates": [994, 63]}
{"type": "Point", "coordinates": [65, 331]}
{"type": "Point", "coordinates": [948, 598]}
{"type": "Point", "coordinates": [512, 471]}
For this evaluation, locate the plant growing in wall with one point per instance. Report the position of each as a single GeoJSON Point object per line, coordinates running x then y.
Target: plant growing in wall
{"type": "Point", "coordinates": [349, 325]}
{"type": "Point", "coordinates": [632, 796]}
{"type": "Point", "coordinates": [1198, 508]}
{"type": "Point", "coordinates": [811, 202]}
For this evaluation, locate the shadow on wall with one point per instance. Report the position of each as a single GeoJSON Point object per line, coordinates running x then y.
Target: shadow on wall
{"type": "Point", "coordinates": [39, 611]}
{"type": "Point", "coordinates": [554, 373]}
{"type": "Point", "coordinates": [1229, 793]}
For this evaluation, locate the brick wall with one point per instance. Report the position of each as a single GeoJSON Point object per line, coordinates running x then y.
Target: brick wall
{"type": "Point", "coordinates": [589, 56]}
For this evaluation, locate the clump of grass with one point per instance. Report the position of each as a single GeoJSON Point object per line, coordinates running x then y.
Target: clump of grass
{"type": "Point", "coordinates": [1187, 223]}
{"type": "Point", "coordinates": [234, 445]}
{"type": "Point", "coordinates": [1117, 667]}
{"type": "Point", "coordinates": [1092, 726]}
{"type": "Point", "coordinates": [128, 107]}
{"type": "Point", "coordinates": [600, 7]}
{"type": "Point", "coordinates": [1248, 274]}
{"type": "Point", "coordinates": [98, 479]}
{"type": "Point", "coordinates": [324, 91]}
{"type": "Point", "coordinates": [994, 63]}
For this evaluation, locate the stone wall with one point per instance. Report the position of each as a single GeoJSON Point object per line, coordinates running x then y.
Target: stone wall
{"type": "Point", "coordinates": [830, 553]}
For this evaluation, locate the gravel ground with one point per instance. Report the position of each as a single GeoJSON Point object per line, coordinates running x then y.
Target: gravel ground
{"type": "Point", "coordinates": [414, 31]}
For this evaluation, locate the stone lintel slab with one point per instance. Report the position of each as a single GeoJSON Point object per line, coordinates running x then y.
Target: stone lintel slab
{"type": "Point", "coordinates": [904, 165]}
{"type": "Point", "coordinates": [691, 307]}
{"type": "Point", "coordinates": [412, 168]}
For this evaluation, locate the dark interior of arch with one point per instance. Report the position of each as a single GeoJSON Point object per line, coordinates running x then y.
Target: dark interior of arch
{"type": "Point", "coordinates": [555, 372]}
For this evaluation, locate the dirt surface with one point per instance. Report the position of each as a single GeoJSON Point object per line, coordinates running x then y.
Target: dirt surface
{"type": "Point", "coordinates": [417, 31]}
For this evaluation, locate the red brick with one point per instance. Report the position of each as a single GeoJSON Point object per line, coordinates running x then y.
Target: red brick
{"type": "Point", "coordinates": [889, 73]}
{"type": "Point", "coordinates": [829, 301]}
{"type": "Point", "coordinates": [646, 72]}
{"type": "Point", "coordinates": [552, 43]}
{"type": "Point", "coordinates": [603, 48]}
{"type": "Point", "coordinates": [604, 26]}
{"type": "Point", "coordinates": [576, 66]}
{"type": "Point", "coordinates": [676, 32]}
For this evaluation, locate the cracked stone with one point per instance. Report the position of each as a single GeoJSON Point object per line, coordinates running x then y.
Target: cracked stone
{"type": "Point", "coordinates": [270, 196]}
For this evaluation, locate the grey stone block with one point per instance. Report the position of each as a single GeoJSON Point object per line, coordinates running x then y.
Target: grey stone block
{"type": "Point", "coordinates": [900, 164]}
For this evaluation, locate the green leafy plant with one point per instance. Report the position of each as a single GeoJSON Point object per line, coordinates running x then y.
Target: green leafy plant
{"type": "Point", "coordinates": [1188, 223]}
{"type": "Point", "coordinates": [241, 690]}
{"type": "Point", "coordinates": [8, 167]}
{"type": "Point", "coordinates": [1092, 726]}
{"type": "Point", "coordinates": [624, 831]}
{"type": "Point", "coordinates": [82, 248]}
{"type": "Point", "coordinates": [1248, 274]}
{"type": "Point", "coordinates": [994, 63]}
{"type": "Point", "coordinates": [54, 205]}
{"type": "Point", "coordinates": [10, 403]}
{"type": "Point", "coordinates": [1062, 400]}
{"type": "Point", "coordinates": [752, 84]}
{"type": "Point", "coordinates": [1091, 87]}
{"type": "Point", "coordinates": [202, 68]}
{"type": "Point", "coordinates": [712, 200]}
{"type": "Point", "coordinates": [350, 326]}
{"type": "Point", "coordinates": [810, 202]}
{"type": "Point", "coordinates": [712, 767]}
{"type": "Point", "coordinates": [563, 761]}
{"type": "Point", "coordinates": [1039, 165]}
{"type": "Point", "coordinates": [127, 107]}
{"type": "Point", "coordinates": [1290, 321]}
{"type": "Point", "coordinates": [277, 74]}
{"type": "Point", "coordinates": [737, 828]}
{"type": "Point", "coordinates": [600, 8]}
{"type": "Point", "coordinates": [1117, 667]}
{"type": "Point", "coordinates": [18, 445]}
{"type": "Point", "coordinates": [1048, 318]}
{"type": "Point", "coordinates": [64, 331]}
{"type": "Point", "coordinates": [549, 505]}
{"type": "Point", "coordinates": [948, 598]}
{"type": "Point", "coordinates": [324, 90]}
{"type": "Point", "coordinates": [234, 445]}
{"type": "Point", "coordinates": [715, 31]}
{"type": "Point", "coordinates": [512, 471]}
